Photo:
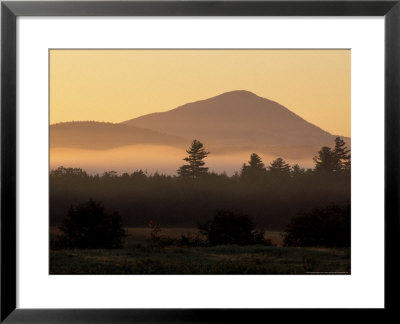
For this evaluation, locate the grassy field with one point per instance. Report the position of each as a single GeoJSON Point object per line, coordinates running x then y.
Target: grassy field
{"type": "Point", "coordinates": [139, 257]}
{"type": "Point", "coordinates": [137, 235]}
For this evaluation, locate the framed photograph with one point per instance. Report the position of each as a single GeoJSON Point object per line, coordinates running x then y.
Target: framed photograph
{"type": "Point", "coordinates": [198, 161]}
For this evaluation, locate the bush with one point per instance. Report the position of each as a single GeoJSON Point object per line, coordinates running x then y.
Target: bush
{"type": "Point", "coordinates": [191, 240]}
{"type": "Point", "coordinates": [328, 227]}
{"type": "Point", "coordinates": [89, 226]}
{"type": "Point", "coordinates": [231, 228]}
{"type": "Point", "coordinates": [186, 240]}
{"type": "Point", "coordinates": [155, 229]}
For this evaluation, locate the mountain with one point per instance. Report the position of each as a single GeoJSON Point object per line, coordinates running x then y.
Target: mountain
{"type": "Point", "coordinates": [233, 121]}
{"type": "Point", "coordinates": [98, 135]}
{"type": "Point", "coordinates": [236, 119]}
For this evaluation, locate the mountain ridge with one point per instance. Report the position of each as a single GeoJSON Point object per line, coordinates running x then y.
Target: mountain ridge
{"type": "Point", "coordinates": [105, 135]}
{"type": "Point", "coordinates": [229, 118]}
{"type": "Point", "coordinates": [233, 119]}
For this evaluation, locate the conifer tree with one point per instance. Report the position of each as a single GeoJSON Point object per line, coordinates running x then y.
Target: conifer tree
{"type": "Point", "coordinates": [254, 169]}
{"type": "Point", "coordinates": [342, 153]}
{"type": "Point", "coordinates": [326, 161]}
{"type": "Point", "coordinates": [297, 171]}
{"type": "Point", "coordinates": [195, 161]}
{"type": "Point", "coordinates": [336, 160]}
{"type": "Point", "coordinates": [279, 168]}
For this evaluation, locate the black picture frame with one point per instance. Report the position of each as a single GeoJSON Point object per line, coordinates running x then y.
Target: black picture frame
{"type": "Point", "coordinates": [10, 10]}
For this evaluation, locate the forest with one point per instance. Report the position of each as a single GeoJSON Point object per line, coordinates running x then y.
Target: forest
{"type": "Point", "coordinates": [271, 193]}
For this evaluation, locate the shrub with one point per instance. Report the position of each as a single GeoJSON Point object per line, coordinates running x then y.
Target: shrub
{"type": "Point", "coordinates": [155, 229]}
{"type": "Point", "coordinates": [191, 240]}
{"type": "Point", "coordinates": [89, 226]}
{"type": "Point", "coordinates": [328, 227]}
{"type": "Point", "coordinates": [228, 227]}
{"type": "Point", "coordinates": [186, 240]}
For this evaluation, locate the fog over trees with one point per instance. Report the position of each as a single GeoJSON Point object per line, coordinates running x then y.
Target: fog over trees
{"type": "Point", "coordinates": [271, 194]}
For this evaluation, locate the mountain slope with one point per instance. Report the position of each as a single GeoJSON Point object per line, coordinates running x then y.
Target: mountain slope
{"type": "Point", "coordinates": [97, 135]}
{"type": "Point", "coordinates": [235, 119]}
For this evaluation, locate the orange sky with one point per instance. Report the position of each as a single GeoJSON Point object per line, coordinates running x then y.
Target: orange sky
{"type": "Point", "coordinates": [117, 85]}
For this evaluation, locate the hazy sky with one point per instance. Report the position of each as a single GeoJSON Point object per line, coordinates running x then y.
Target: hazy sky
{"type": "Point", "coordinates": [117, 85]}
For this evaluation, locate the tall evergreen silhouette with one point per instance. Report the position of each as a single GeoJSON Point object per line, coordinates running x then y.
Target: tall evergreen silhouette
{"type": "Point", "coordinates": [195, 161]}
{"type": "Point", "coordinates": [330, 161]}
{"type": "Point", "coordinates": [297, 171]}
{"type": "Point", "coordinates": [326, 161]}
{"type": "Point", "coordinates": [254, 169]}
{"type": "Point", "coordinates": [279, 168]}
{"type": "Point", "coordinates": [342, 153]}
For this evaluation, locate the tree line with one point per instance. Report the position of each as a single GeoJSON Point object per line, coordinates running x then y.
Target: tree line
{"type": "Point", "coordinates": [89, 226]}
{"type": "Point", "coordinates": [271, 194]}
{"type": "Point", "coordinates": [328, 161]}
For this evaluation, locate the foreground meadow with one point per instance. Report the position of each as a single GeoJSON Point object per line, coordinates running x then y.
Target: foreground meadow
{"type": "Point", "coordinates": [139, 256]}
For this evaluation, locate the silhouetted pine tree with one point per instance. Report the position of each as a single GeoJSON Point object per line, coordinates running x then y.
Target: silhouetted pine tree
{"type": "Point", "coordinates": [279, 169]}
{"type": "Point", "coordinates": [326, 161]}
{"type": "Point", "coordinates": [254, 169]}
{"type": "Point", "coordinates": [195, 167]}
{"type": "Point", "coordinates": [342, 153]}
{"type": "Point", "coordinates": [297, 171]}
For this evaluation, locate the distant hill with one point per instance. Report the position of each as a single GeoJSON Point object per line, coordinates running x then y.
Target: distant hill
{"type": "Point", "coordinates": [236, 119]}
{"type": "Point", "coordinates": [98, 135]}
{"type": "Point", "coordinates": [231, 122]}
